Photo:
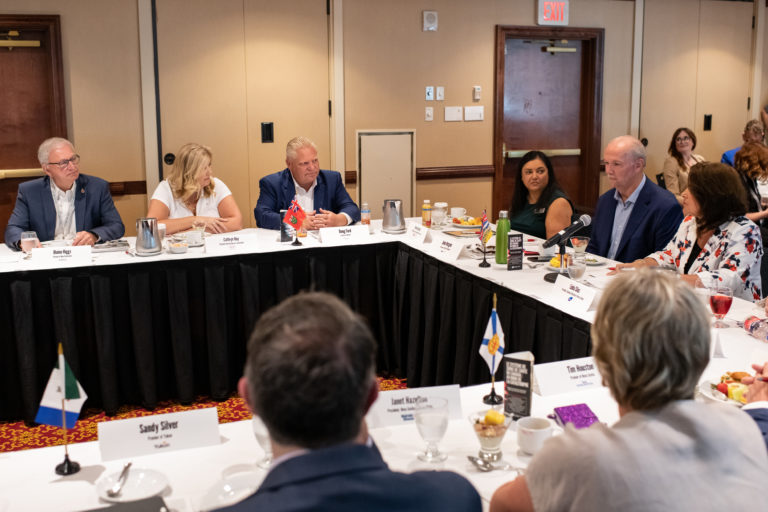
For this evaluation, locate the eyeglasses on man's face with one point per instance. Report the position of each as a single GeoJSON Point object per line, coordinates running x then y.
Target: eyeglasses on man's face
{"type": "Point", "coordinates": [63, 164]}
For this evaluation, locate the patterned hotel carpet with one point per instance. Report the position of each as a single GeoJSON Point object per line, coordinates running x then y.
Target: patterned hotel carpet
{"type": "Point", "coordinates": [17, 436]}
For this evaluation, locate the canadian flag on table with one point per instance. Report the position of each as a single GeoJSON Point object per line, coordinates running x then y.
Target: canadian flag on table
{"type": "Point", "coordinates": [295, 215]}
{"type": "Point", "coordinates": [62, 394]}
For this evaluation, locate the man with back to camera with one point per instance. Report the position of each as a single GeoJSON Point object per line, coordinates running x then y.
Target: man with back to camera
{"type": "Point", "coordinates": [753, 132]}
{"type": "Point", "coordinates": [310, 376]}
{"type": "Point", "coordinates": [64, 205]}
{"type": "Point", "coordinates": [636, 217]}
{"type": "Point", "coordinates": [320, 193]}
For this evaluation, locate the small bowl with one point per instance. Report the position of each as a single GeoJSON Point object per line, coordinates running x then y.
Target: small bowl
{"type": "Point", "coordinates": [177, 247]}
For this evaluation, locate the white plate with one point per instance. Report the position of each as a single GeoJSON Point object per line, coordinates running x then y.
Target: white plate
{"type": "Point", "coordinates": [594, 261]}
{"type": "Point", "coordinates": [141, 483]}
{"type": "Point", "coordinates": [465, 226]}
{"type": "Point", "coordinates": [231, 490]}
{"type": "Point", "coordinates": [705, 390]}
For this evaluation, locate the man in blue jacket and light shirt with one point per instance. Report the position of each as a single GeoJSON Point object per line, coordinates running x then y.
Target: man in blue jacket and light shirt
{"type": "Point", "coordinates": [320, 193]}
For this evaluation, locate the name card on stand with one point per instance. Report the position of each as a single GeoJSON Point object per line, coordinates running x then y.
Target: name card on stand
{"type": "Point", "coordinates": [567, 376]}
{"type": "Point", "coordinates": [397, 407]}
{"type": "Point", "coordinates": [451, 249]}
{"type": "Point", "coordinates": [67, 256]}
{"type": "Point", "coordinates": [518, 384]}
{"type": "Point", "coordinates": [574, 297]}
{"type": "Point", "coordinates": [158, 434]}
{"type": "Point", "coordinates": [418, 233]}
{"type": "Point", "coordinates": [231, 243]}
{"type": "Point", "coordinates": [345, 234]}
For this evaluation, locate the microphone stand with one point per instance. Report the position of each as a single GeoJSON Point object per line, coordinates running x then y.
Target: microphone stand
{"type": "Point", "coordinates": [551, 277]}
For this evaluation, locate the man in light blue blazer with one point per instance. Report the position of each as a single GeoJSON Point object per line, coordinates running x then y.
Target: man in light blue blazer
{"type": "Point", "coordinates": [64, 204]}
{"type": "Point", "coordinates": [320, 193]}
{"type": "Point", "coordinates": [310, 376]}
{"type": "Point", "coordinates": [636, 217]}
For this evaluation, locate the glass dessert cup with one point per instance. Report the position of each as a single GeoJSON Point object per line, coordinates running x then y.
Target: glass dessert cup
{"type": "Point", "coordinates": [490, 427]}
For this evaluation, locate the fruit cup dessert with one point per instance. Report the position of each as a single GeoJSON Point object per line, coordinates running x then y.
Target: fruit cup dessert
{"type": "Point", "coordinates": [490, 428]}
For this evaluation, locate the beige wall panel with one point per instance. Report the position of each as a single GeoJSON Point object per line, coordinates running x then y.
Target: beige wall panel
{"type": "Point", "coordinates": [131, 208]}
{"type": "Point", "coordinates": [100, 50]}
{"type": "Point", "coordinates": [202, 85]}
{"type": "Point", "coordinates": [286, 56]}
{"type": "Point", "coordinates": [762, 95]}
{"type": "Point", "coordinates": [725, 50]}
{"type": "Point", "coordinates": [474, 194]}
{"type": "Point", "coordinates": [389, 62]}
{"type": "Point", "coordinates": [668, 97]}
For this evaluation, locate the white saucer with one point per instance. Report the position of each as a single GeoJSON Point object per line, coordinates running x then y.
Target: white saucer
{"type": "Point", "coordinates": [231, 490]}
{"type": "Point", "coordinates": [141, 483]}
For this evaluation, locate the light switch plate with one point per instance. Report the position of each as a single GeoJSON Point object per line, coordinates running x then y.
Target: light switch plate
{"type": "Point", "coordinates": [453, 113]}
{"type": "Point", "coordinates": [440, 95]}
{"type": "Point", "coordinates": [476, 92]}
{"type": "Point", "coordinates": [430, 93]}
{"type": "Point", "coordinates": [474, 113]}
{"type": "Point", "coordinates": [429, 113]}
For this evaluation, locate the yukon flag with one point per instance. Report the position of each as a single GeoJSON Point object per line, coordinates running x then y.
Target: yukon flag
{"type": "Point", "coordinates": [62, 390]}
{"type": "Point", "coordinates": [492, 348]}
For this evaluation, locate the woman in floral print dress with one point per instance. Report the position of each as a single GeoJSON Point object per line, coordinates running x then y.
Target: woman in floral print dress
{"type": "Point", "coordinates": [715, 244]}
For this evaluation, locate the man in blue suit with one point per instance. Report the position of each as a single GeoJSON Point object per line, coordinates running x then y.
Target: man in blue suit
{"type": "Point", "coordinates": [636, 217]}
{"type": "Point", "coordinates": [64, 204]}
{"type": "Point", "coordinates": [757, 399]}
{"type": "Point", "coordinates": [320, 193]}
{"type": "Point", "coordinates": [309, 375]}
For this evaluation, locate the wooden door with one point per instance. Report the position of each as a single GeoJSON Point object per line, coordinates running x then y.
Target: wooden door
{"type": "Point", "coordinates": [31, 99]}
{"type": "Point", "coordinates": [230, 65]}
{"type": "Point", "coordinates": [549, 101]}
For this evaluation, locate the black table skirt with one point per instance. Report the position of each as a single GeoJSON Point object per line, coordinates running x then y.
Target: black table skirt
{"type": "Point", "coordinates": [149, 331]}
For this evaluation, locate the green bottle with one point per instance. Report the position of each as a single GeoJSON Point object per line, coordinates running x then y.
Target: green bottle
{"type": "Point", "coordinates": [502, 230]}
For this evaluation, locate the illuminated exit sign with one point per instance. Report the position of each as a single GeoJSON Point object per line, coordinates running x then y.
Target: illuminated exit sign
{"type": "Point", "coordinates": [553, 12]}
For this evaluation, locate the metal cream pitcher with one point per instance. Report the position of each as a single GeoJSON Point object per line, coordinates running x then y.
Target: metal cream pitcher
{"type": "Point", "coordinates": [393, 220]}
{"type": "Point", "coordinates": [148, 236]}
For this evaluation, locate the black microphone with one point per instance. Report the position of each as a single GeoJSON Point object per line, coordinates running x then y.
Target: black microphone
{"type": "Point", "coordinates": [565, 234]}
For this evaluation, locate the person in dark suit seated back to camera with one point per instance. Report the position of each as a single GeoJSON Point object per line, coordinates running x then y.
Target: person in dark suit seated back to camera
{"type": "Point", "coordinates": [320, 193]}
{"type": "Point", "coordinates": [64, 205]}
{"type": "Point", "coordinates": [636, 217]}
{"type": "Point", "coordinates": [310, 377]}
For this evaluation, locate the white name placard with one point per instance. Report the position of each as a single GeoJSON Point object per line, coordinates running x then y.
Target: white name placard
{"type": "Point", "coordinates": [418, 233]}
{"type": "Point", "coordinates": [449, 248]}
{"type": "Point", "coordinates": [574, 297]}
{"type": "Point", "coordinates": [65, 256]}
{"type": "Point", "coordinates": [567, 376]}
{"type": "Point", "coordinates": [397, 407]}
{"type": "Point", "coordinates": [231, 243]}
{"type": "Point", "coordinates": [158, 434]}
{"type": "Point", "coordinates": [358, 233]}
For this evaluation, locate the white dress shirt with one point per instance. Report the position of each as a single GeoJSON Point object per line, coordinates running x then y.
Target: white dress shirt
{"type": "Point", "coordinates": [306, 199]}
{"type": "Point", "coordinates": [64, 201]}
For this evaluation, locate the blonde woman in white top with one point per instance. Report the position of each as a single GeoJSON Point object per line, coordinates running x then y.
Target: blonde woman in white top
{"type": "Point", "coordinates": [190, 195]}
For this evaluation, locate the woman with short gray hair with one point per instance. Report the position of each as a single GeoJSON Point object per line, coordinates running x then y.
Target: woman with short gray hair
{"type": "Point", "coordinates": [651, 344]}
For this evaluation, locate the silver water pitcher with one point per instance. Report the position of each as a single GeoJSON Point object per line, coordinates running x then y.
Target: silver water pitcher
{"type": "Point", "coordinates": [148, 239]}
{"type": "Point", "coordinates": [393, 220]}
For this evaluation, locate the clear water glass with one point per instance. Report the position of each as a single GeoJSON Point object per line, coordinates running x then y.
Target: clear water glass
{"type": "Point", "coordinates": [432, 422]}
{"type": "Point", "coordinates": [262, 437]}
{"type": "Point", "coordinates": [28, 241]}
{"type": "Point", "coordinates": [577, 266]}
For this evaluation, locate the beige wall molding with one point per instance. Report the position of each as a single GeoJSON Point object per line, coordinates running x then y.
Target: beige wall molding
{"type": "Point", "coordinates": [20, 173]}
{"type": "Point", "coordinates": [438, 173]}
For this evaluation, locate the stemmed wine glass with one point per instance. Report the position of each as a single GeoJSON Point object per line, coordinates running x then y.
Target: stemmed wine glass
{"type": "Point", "coordinates": [720, 299]}
{"type": "Point", "coordinates": [262, 437]}
{"type": "Point", "coordinates": [432, 422]}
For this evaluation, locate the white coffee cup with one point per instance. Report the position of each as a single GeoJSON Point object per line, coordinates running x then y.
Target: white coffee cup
{"type": "Point", "coordinates": [195, 237]}
{"type": "Point", "coordinates": [457, 212]}
{"type": "Point", "coordinates": [532, 432]}
{"type": "Point", "coordinates": [549, 251]}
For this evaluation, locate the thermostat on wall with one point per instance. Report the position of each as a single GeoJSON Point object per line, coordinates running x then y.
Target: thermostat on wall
{"type": "Point", "coordinates": [430, 21]}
